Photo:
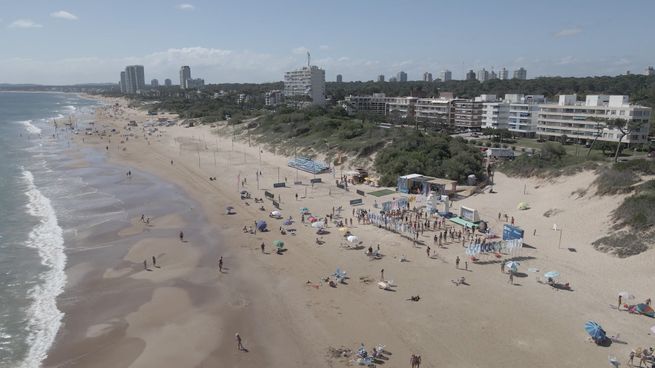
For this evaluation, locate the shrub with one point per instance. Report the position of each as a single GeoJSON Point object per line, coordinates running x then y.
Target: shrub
{"type": "Point", "coordinates": [513, 148]}
{"type": "Point", "coordinates": [611, 181]}
{"type": "Point", "coordinates": [496, 145]}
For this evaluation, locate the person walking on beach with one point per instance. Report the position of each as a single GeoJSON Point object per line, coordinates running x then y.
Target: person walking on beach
{"type": "Point", "coordinates": [620, 300]}
{"type": "Point", "coordinates": [382, 274]}
{"type": "Point", "coordinates": [457, 262]}
{"type": "Point", "coordinates": [262, 246]}
{"type": "Point", "coordinates": [631, 358]}
{"type": "Point", "coordinates": [502, 266]}
{"type": "Point", "coordinates": [143, 218]}
{"type": "Point", "coordinates": [466, 265]}
{"type": "Point", "coordinates": [239, 344]}
{"type": "Point", "coordinates": [154, 261]}
{"type": "Point", "coordinates": [428, 250]}
{"type": "Point", "coordinates": [181, 236]}
{"type": "Point", "coordinates": [220, 264]}
{"type": "Point", "coordinates": [512, 220]}
{"type": "Point", "coordinates": [171, 162]}
{"type": "Point", "coordinates": [511, 277]}
{"type": "Point", "coordinates": [296, 196]}
{"type": "Point", "coordinates": [145, 264]}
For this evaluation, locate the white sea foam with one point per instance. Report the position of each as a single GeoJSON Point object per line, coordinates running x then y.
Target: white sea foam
{"type": "Point", "coordinates": [47, 238]}
{"type": "Point", "coordinates": [31, 128]}
{"type": "Point", "coordinates": [70, 107]}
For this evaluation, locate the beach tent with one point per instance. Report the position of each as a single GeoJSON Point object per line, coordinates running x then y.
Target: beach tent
{"type": "Point", "coordinates": [523, 206]}
{"type": "Point", "coordinates": [318, 225]}
{"type": "Point", "coordinates": [261, 225]}
{"type": "Point", "coordinates": [595, 331]}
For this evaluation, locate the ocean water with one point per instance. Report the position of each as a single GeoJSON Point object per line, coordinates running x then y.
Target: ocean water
{"type": "Point", "coordinates": [35, 219]}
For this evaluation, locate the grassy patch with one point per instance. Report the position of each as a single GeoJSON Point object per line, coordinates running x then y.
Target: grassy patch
{"type": "Point", "coordinates": [611, 181]}
{"type": "Point", "coordinates": [622, 244]}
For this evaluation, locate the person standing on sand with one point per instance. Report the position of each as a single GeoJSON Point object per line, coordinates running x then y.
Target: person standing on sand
{"type": "Point", "coordinates": [382, 274]}
{"type": "Point", "coordinates": [620, 300]}
{"type": "Point", "coordinates": [154, 261]}
{"type": "Point", "coordinates": [239, 344]}
{"type": "Point", "coordinates": [502, 266]}
{"type": "Point", "coordinates": [457, 262]}
{"type": "Point", "coordinates": [466, 265]}
{"type": "Point", "coordinates": [262, 246]}
{"type": "Point", "coordinates": [145, 264]}
{"type": "Point", "coordinates": [171, 162]}
{"type": "Point", "coordinates": [143, 218]}
{"type": "Point", "coordinates": [511, 277]}
{"type": "Point", "coordinates": [534, 232]}
{"type": "Point", "coordinates": [181, 236]}
{"type": "Point", "coordinates": [220, 264]}
{"type": "Point", "coordinates": [428, 250]}
{"type": "Point", "coordinates": [296, 196]}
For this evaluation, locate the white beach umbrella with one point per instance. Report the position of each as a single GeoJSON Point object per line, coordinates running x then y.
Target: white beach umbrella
{"type": "Point", "coordinates": [318, 225]}
{"type": "Point", "coordinates": [352, 238]}
{"type": "Point", "coordinates": [276, 213]}
{"type": "Point", "coordinates": [626, 295]}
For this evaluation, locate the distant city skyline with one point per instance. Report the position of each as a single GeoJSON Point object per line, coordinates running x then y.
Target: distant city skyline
{"type": "Point", "coordinates": [77, 41]}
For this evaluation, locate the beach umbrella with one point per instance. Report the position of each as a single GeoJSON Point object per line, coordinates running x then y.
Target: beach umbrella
{"type": "Point", "coordinates": [551, 274]}
{"type": "Point", "coordinates": [318, 225]}
{"type": "Point", "coordinates": [278, 244]}
{"type": "Point", "coordinates": [276, 213]}
{"type": "Point", "coordinates": [645, 309]}
{"type": "Point", "coordinates": [304, 210]}
{"type": "Point", "coordinates": [523, 206]}
{"type": "Point", "coordinates": [343, 229]}
{"type": "Point", "coordinates": [229, 208]}
{"type": "Point", "coordinates": [512, 265]}
{"type": "Point", "coordinates": [312, 219]}
{"type": "Point", "coordinates": [261, 225]}
{"type": "Point", "coordinates": [626, 295]}
{"type": "Point", "coordinates": [594, 330]}
{"type": "Point", "coordinates": [352, 238]}
{"type": "Point", "coordinates": [287, 223]}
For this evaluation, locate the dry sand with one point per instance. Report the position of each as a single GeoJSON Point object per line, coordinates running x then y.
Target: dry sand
{"type": "Point", "coordinates": [190, 317]}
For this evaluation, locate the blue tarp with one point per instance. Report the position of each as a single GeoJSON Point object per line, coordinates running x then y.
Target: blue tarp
{"type": "Point", "coordinates": [511, 232]}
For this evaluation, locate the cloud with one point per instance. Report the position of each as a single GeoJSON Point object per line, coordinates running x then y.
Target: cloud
{"type": "Point", "coordinates": [186, 7]}
{"type": "Point", "coordinates": [568, 32]}
{"type": "Point", "coordinates": [24, 23]}
{"type": "Point", "coordinates": [301, 50]}
{"type": "Point", "coordinates": [324, 47]}
{"type": "Point", "coordinates": [62, 14]}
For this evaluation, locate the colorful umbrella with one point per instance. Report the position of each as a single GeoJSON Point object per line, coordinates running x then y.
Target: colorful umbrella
{"type": "Point", "coordinates": [551, 274]}
{"type": "Point", "coordinates": [312, 219]}
{"type": "Point", "coordinates": [645, 309]}
{"type": "Point", "coordinates": [304, 210]}
{"type": "Point", "coordinates": [523, 206]}
{"type": "Point", "coordinates": [278, 244]}
{"type": "Point", "coordinates": [626, 295]}
{"type": "Point", "coordinates": [261, 225]}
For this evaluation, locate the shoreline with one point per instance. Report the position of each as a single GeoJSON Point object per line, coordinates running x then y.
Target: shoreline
{"type": "Point", "coordinates": [286, 323]}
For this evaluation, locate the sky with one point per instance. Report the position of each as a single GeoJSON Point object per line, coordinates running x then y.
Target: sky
{"type": "Point", "coordinates": [86, 41]}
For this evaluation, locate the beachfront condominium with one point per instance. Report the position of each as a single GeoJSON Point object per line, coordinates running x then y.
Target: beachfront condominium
{"type": "Point", "coordinates": [427, 77]}
{"type": "Point", "coordinates": [503, 74]}
{"type": "Point", "coordinates": [381, 78]}
{"type": "Point", "coordinates": [307, 83]}
{"type": "Point", "coordinates": [468, 114]}
{"type": "Point", "coordinates": [375, 104]}
{"type": "Point", "coordinates": [585, 120]}
{"type": "Point", "coordinates": [402, 76]}
{"type": "Point", "coordinates": [521, 74]}
{"type": "Point", "coordinates": [523, 113]}
{"type": "Point", "coordinates": [437, 111]}
{"type": "Point", "coordinates": [168, 82]}
{"type": "Point", "coordinates": [494, 112]}
{"type": "Point", "coordinates": [134, 79]}
{"type": "Point", "coordinates": [446, 76]}
{"type": "Point", "coordinates": [123, 82]}
{"type": "Point", "coordinates": [185, 76]}
{"type": "Point", "coordinates": [339, 78]}
{"type": "Point", "coordinates": [470, 75]}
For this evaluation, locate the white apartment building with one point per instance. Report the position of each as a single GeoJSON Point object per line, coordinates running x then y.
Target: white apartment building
{"type": "Point", "coordinates": [503, 74]}
{"type": "Point", "coordinates": [523, 113]}
{"type": "Point", "coordinates": [494, 112]}
{"type": "Point", "coordinates": [273, 98]}
{"type": "Point", "coordinates": [308, 82]}
{"type": "Point", "coordinates": [185, 76]}
{"type": "Point", "coordinates": [483, 75]}
{"type": "Point", "coordinates": [575, 119]}
{"type": "Point", "coordinates": [401, 107]}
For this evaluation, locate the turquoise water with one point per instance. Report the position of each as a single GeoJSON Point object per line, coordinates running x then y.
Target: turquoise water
{"type": "Point", "coordinates": [32, 210]}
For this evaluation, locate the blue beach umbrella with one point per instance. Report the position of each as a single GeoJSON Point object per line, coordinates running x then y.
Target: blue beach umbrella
{"type": "Point", "coordinates": [512, 266]}
{"type": "Point", "coordinates": [261, 225]}
{"type": "Point", "coordinates": [595, 331]}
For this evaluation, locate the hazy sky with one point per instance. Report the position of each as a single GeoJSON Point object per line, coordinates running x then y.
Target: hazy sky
{"type": "Point", "coordinates": [78, 41]}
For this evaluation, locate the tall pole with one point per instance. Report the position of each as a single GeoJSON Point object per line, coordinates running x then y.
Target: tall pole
{"type": "Point", "coordinates": [278, 174]}
{"type": "Point", "coordinates": [559, 245]}
{"type": "Point", "coordinates": [198, 157]}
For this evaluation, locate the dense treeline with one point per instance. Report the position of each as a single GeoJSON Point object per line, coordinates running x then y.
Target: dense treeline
{"type": "Point", "coordinates": [439, 155]}
{"type": "Point", "coordinates": [640, 88]}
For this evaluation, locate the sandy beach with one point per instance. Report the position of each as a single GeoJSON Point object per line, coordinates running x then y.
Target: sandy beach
{"type": "Point", "coordinates": [183, 312]}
